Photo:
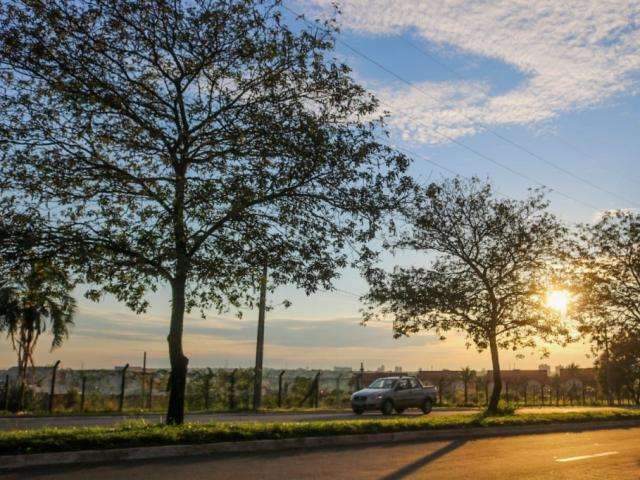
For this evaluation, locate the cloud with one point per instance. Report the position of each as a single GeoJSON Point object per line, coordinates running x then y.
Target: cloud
{"type": "Point", "coordinates": [572, 55]}
{"type": "Point", "coordinates": [335, 333]}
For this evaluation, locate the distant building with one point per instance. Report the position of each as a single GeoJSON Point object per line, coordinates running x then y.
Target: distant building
{"type": "Point", "coordinates": [546, 368]}
{"type": "Point", "coordinates": [397, 369]}
{"type": "Point", "coordinates": [380, 368]}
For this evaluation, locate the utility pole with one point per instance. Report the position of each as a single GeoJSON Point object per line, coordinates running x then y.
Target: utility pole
{"type": "Point", "coordinates": [257, 379]}
{"type": "Point", "coordinates": [122, 387]}
{"type": "Point", "coordinates": [53, 385]}
{"type": "Point", "coordinates": [608, 366]}
{"type": "Point", "coordinates": [144, 378]}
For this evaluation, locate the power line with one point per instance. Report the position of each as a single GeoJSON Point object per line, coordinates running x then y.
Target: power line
{"type": "Point", "coordinates": [461, 144]}
{"type": "Point", "coordinates": [436, 164]}
{"type": "Point", "coordinates": [451, 139]}
{"type": "Point", "coordinates": [516, 144]}
{"type": "Point", "coordinates": [579, 150]}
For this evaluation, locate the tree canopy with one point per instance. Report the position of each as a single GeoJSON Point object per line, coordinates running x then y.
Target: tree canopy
{"type": "Point", "coordinates": [189, 142]}
{"type": "Point", "coordinates": [606, 276]}
{"type": "Point", "coordinates": [488, 264]}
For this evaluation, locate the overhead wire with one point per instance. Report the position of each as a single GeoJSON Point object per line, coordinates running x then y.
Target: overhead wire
{"type": "Point", "coordinates": [464, 145]}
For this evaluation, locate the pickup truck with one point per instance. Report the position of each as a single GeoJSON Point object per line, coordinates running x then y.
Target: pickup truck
{"type": "Point", "coordinates": [394, 393]}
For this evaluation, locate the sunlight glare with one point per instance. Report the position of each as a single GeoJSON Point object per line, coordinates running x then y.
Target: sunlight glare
{"type": "Point", "coordinates": [558, 300]}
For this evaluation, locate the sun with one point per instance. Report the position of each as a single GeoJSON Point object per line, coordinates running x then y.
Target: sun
{"type": "Point", "coordinates": [558, 300]}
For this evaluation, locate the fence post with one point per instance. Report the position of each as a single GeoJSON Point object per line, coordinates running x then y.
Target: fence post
{"type": "Point", "coordinates": [122, 385]}
{"type": "Point", "coordinates": [150, 390]}
{"type": "Point", "coordinates": [280, 389]}
{"type": "Point", "coordinates": [232, 390]}
{"type": "Point", "coordinates": [361, 377]}
{"type": "Point", "coordinates": [144, 377]}
{"type": "Point", "coordinates": [507, 390]}
{"type": "Point", "coordinates": [440, 385]}
{"type": "Point", "coordinates": [5, 399]}
{"type": "Point", "coordinates": [53, 385]}
{"type": "Point", "coordinates": [316, 393]}
{"type": "Point", "coordinates": [338, 396]}
{"type": "Point", "coordinates": [84, 383]}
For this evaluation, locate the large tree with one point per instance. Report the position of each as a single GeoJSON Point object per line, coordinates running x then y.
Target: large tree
{"type": "Point", "coordinates": [606, 276]}
{"type": "Point", "coordinates": [487, 269]}
{"type": "Point", "coordinates": [190, 142]}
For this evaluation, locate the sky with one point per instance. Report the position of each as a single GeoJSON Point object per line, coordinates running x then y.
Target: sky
{"type": "Point", "coordinates": [526, 93]}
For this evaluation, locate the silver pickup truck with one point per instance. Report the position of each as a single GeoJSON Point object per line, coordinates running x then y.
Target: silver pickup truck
{"type": "Point", "coordinates": [394, 393]}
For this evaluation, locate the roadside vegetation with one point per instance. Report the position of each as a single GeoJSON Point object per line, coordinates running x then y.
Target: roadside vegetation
{"type": "Point", "coordinates": [140, 434]}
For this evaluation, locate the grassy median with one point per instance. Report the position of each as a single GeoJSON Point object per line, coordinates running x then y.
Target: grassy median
{"type": "Point", "coordinates": [139, 434]}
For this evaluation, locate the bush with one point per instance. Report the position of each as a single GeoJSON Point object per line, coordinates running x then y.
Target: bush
{"type": "Point", "coordinates": [71, 399]}
{"type": "Point", "coordinates": [504, 408]}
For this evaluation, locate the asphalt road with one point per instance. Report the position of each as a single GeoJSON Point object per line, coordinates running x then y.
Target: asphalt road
{"type": "Point", "coordinates": [603, 454]}
{"type": "Point", "coordinates": [23, 423]}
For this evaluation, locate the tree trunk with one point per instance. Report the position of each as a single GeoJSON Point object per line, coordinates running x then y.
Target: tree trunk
{"type": "Point", "coordinates": [257, 379]}
{"type": "Point", "coordinates": [179, 363]}
{"type": "Point", "coordinates": [497, 377]}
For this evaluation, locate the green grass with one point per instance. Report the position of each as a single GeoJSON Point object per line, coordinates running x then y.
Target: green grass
{"type": "Point", "coordinates": [138, 411]}
{"type": "Point", "coordinates": [138, 433]}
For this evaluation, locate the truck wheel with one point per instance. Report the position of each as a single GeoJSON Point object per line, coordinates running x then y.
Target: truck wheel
{"type": "Point", "coordinates": [427, 406]}
{"type": "Point", "coordinates": [358, 411]}
{"type": "Point", "coordinates": [399, 411]}
{"type": "Point", "coordinates": [387, 407]}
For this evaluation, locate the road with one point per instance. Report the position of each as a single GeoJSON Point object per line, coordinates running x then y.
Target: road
{"type": "Point", "coordinates": [603, 454]}
{"type": "Point", "coordinates": [13, 423]}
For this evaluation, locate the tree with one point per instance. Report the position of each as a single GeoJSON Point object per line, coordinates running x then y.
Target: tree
{"type": "Point", "coordinates": [573, 372]}
{"type": "Point", "coordinates": [623, 364]}
{"type": "Point", "coordinates": [190, 143]}
{"type": "Point", "coordinates": [608, 264]}
{"type": "Point", "coordinates": [32, 302]}
{"type": "Point", "coordinates": [556, 385]}
{"type": "Point", "coordinates": [489, 263]}
{"type": "Point", "coordinates": [606, 275]}
{"type": "Point", "coordinates": [467, 375]}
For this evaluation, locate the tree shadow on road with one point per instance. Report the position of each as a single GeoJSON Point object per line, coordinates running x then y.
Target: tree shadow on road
{"type": "Point", "coordinates": [421, 462]}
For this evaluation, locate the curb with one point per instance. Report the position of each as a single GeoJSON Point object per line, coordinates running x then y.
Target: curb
{"type": "Point", "coordinates": [12, 462]}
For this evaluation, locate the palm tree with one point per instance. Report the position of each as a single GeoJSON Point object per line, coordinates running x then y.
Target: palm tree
{"type": "Point", "coordinates": [467, 375]}
{"type": "Point", "coordinates": [35, 300]}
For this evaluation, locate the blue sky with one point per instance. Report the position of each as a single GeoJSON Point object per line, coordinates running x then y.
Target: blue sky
{"type": "Point", "coordinates": [559, 79]}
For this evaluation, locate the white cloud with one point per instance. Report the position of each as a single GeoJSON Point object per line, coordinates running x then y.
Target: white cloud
{"type": "Point", "coordinates": [573, 54]}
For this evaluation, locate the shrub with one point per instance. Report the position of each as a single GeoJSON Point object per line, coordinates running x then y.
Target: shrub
{"type": "Point", "coordinates": [504, 408]}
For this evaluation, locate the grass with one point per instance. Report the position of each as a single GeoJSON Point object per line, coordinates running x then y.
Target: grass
{"type": "Point", "coordinates": [133, 412]}
{"type": "Point", "coordinates": [162, 411]}
{"type": "Point", "coordinates": [138, 433]}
